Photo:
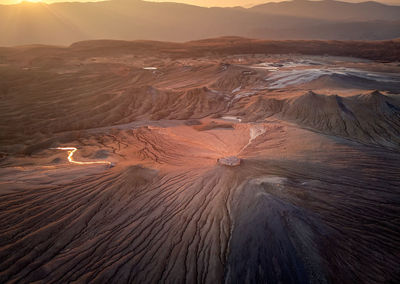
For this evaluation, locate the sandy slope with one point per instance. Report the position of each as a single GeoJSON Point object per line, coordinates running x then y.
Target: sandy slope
{"type": "Point", "coordinates": [168, 211]}
{"type": "Point", "coordinates": [315, 198]}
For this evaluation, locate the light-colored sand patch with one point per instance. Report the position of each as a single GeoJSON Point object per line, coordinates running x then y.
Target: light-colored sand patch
{"type": "Point", "coordinates": [254, 132]}
{"type": "Point", "coordinates": [275, 180]}
{"type": "Point", "coordinates": [287, 78]}
{"type": "Point", "coordinates": [72, 150]}
{"type": "Point", "coordinates": [231, 118]}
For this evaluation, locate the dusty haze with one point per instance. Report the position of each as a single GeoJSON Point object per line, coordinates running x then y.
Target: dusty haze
{"type": "Point", "coordinates": [204, 3]}
{"type": "Point", "coordinates": [146, 142]}
{"type": "Point", "coordinates": [65, 23]}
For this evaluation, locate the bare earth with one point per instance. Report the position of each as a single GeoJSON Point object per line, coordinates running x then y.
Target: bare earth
{"type": "Point", "coordinates": [184, 167]}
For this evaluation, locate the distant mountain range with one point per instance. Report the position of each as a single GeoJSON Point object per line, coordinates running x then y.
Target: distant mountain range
{"type": "Point", "coordinates": [332, 10]}
{"type": "Point", "coordinates": [65, 23]}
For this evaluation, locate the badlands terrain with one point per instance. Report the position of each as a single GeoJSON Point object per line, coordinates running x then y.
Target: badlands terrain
{"type": "Point", "coordinates": [226, 160]}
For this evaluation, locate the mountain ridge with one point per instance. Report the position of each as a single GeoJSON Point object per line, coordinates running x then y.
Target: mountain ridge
{"type": "Point", "coordinates": [373, 50]}
{"type": "Point", "coordinates": [370, 10]}
{"type": "Point", "coordinates": [68, 22]}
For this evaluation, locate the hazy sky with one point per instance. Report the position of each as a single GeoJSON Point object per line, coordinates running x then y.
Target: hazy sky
{"type": "Point", "coordinates": [208, 3]}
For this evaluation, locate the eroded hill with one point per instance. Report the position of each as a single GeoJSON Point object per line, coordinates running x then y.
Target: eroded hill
{"type": "Point", "coordinates": [124, 164]}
